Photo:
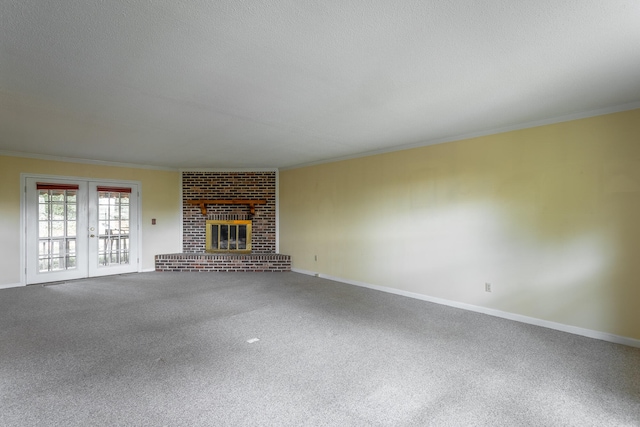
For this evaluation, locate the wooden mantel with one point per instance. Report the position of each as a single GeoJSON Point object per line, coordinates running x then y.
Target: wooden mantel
{"type": "Point", "coordinates": [203, 204]}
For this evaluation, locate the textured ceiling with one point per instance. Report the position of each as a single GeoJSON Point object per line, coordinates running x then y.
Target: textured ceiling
{"type": "Point", "coordinates": [230, 83]}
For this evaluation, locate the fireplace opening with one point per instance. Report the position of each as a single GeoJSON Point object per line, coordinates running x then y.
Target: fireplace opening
{"type": "Point", "coordinates": [228, 236]}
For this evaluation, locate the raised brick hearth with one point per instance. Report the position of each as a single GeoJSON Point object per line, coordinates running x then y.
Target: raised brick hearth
{"type": "Point", "coordinates": [223, 262]}
{"type": "Point", "coordinates": [227, 185]}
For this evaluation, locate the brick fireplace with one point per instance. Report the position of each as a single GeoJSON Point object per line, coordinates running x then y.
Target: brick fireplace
{"type": "Point", "coordinates": [227, 186]}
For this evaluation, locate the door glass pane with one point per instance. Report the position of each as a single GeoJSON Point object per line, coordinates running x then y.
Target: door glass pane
{"type": "Point", "coordinates": [43, 211]}
{"type": "Point", "coordinates": [56, 247]}
{"type": "Point", "coordinates": [114, 212]}
{"type": "Point", "coordinates": [57, 211]}
{"type": "Point", "coordinates": [43, 229]}
{"type": "Point", "coordinates": [43, 248]}
{"type": "Point", "coordinates": [57, 195]}
{"type": "Point", "coordinates": [56, 229]}
{"type": "Point", "coordinates": [113, 228]}
{"type": "Point", "coordinates": [71, 211]}
{"type": "Point", "coordinates": [71, 228]}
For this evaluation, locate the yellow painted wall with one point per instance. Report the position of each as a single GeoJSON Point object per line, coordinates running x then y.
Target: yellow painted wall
{"type": "Point", "coordinates": [160, 199]}
{"type": "Point", "coordinates": [550, 216]}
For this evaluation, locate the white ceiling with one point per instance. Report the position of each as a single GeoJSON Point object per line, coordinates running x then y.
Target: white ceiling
{"type": "Point", "coordinates": [280, 83]}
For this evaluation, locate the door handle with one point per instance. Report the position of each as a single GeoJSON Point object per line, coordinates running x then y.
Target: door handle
{"type": "Point", "coordinates": [92, 235]}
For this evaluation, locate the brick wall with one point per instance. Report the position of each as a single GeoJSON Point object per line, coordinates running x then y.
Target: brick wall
{"type": "Point", "coordinates": [229, 185]}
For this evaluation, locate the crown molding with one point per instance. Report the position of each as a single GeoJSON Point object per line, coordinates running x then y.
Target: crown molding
{"type": "Point", "coordinates": [493, 131]}
{"type": "Point", "coordinates": [82, 161]}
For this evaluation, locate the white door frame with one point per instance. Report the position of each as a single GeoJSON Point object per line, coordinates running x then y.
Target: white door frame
{"type": "Point", "coordinates": [53, 178]}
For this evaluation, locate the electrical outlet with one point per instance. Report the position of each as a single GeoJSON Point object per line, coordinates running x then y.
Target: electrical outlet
{"type": "Point", "coordinates": [487, 287]}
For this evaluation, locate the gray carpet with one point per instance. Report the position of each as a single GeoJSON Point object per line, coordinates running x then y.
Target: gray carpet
{"type": "Point", "coordinates": [173, 349]}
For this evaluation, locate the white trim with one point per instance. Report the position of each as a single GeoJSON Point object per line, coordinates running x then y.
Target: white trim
{"type": "Point", "coordinates": [24, 175]}
{"type": "Point", "coordinates": [493, 131]}
{"type": "Point", "coordinates": [12, 285]}
{"type": "Point", "coordinates": [309, 273]}
{"type": "Point", "coordinates": [140, 234]}
{"type": "Point", "coordinates": [277, 212]}
{"type": "Point", "coordinates": [148, 270]}
{"type": "Point", "coordinates": [23, 228]}
{"type": "Point", "coordinates": [83, 161]}
{"type": "Point", "coordinates": [604, 336]}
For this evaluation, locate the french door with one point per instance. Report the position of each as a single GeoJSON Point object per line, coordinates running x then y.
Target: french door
{"type": "Point", "coordinates": [79, 228]}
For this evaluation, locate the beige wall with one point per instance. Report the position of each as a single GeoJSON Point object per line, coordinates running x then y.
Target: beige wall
{"type": "Point", "coordinates": [160, 200]}
{"type": "Point", "coordinates": [550, 216]}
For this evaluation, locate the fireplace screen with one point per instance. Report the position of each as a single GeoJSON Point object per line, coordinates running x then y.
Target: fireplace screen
{"type": "Point", "coordinates": [228, 236]}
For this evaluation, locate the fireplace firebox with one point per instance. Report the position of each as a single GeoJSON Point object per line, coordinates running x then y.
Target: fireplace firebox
{"type": "Point", "coordinates": [230, 236]}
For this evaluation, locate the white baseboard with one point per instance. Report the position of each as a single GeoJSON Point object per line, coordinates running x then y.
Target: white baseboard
{"type": "Point", "coordinates": [309, 273]}
{"type": "Point", "coordinates": [11, 285]}
{"type": "Point", "coordinates": [617, 339]}
{"type": "Point", "coordinates": [148, 270]}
